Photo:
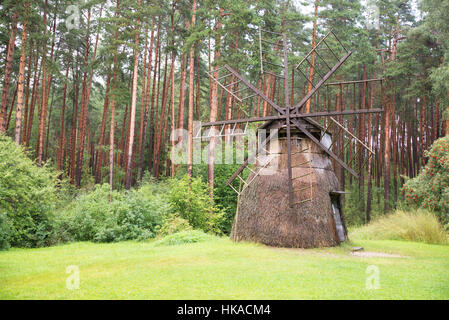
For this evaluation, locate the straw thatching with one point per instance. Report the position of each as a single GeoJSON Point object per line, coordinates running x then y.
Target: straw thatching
{"type": "Point", "coordinates": [264, 214]}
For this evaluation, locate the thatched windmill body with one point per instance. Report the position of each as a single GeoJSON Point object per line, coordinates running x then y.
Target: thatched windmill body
{"type": "Point", "coordinates": [297, 202]}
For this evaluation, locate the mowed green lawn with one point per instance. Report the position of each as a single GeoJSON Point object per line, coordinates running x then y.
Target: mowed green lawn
{"type": "Point", "coordinates": [221, 269]}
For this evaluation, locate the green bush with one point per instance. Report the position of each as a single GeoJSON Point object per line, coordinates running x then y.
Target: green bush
{"type": "Point", "coordinates": [28, 195]}
{"type": "Point", "coordinates": [189, 197]}
{"type": "Point", "coordinates": [224, 196]}
{"type": "Point", "coordinates": [105, 217]}
{"type": "Point", "coordinates": [173, 224]}
{"type": "Point", "coordinates": [5, 232]}
{"type": "Point", "coordinates": [430, 190]}
{"type": "Point", "coordinates": [192, 236]}
{"type": "Point", "coordinates": [419, 226]}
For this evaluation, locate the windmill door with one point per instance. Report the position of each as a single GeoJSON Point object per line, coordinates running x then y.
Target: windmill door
{"type": "Point", "coordinates": [335, 200]}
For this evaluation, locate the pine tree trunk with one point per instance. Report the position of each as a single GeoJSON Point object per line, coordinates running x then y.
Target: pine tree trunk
{"type": "Point", "coordinates": [20, 85]}
{"type": "Point", "coordinates": [446, 121]}
{"type": "Point", "coordinates": [312, 58]}
{"type": "Point", "coordinates": [60, 155]}
{"type": "Point", "coordinates": [11, 107]}
{"type": "Point", "coordinates": [49, 82]}
{"type": "Point", "coordinates": [387, 144]}
{"type": "Point", "coordinates": [190, 119]}
{"type": "Point", "coordinates": [436, 122]}
{"type": "Point", "coordinates": [172, 79]}
{"type": "Point", "coordinates": [422, 129]}
{"type": "Point", "coordinates": [29, 122]}
{"type": "Point", "coordinates": [128, 177]}
{"type": "Point", "coordinates": [173, 120]}
{"type": "Point", "coordinates": [395, 149]}
{"type": "Point", "coordinates": [99, 160]}
{"type": "Point", "coordinates": [198, 88]}
{"type": "Point", "coordinates": [87, 85]}
{"type": "Point", "coordinates": [7, 73]}
{"type": "Point", "coordinates": [370, 183]}
{"type": "Point", "coordinates": [73, 132]}
{"type": "Point", "coordinates": [43, 111]}
{"type": "Point", "coordinates": [214, 107]}
{"type": "Point", "coordinates": [180, 124]}
{"type": "Point", "coordinates": [154, 107]}
{"type": "Point", "coordinates": [146, 108]}
{"type": "Point", "coordinates": [48, 126]}
{"type": "Point", "coordinates": [27, 96]}
{"type": "Point", "coordinates": [112, 127]}
{"type": "Point", "coordinates": [123, 135]}
{"type": "Point", "coordinates": [361, 150]}
{"type": "Point", "coordinates": [160, 130]}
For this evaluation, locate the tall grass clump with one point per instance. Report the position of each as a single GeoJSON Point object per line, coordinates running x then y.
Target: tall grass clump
{"type": "Point", "coordinates": [420, 226]}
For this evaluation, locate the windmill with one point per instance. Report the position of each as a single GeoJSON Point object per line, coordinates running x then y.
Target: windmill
{"type": "Point", "coordinates": [299, 204]}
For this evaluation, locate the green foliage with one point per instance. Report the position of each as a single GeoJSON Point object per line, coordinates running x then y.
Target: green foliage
{"type": "Point", "coordinates": [173, 224]}
{"type": "Point", "coordinates": [5, 232]}
{"type": "Point", "coordinates": [105, 217]}
{"type": "Point", "coordinates": [164, 208]}
{"type": "Point", "coordinates": [189, 197]}
{"type": "Point", "coordinates": [355, 208]}
{"type": "Point", "coordinates": [419, 226]}
{"type": "Point", "coordinates": [191, 236]}
{"type": "Point", "coordinates": [224, 196]}
{"type": "Point", "coordinates": [430, 189]}
{"type": "Point", "coordinates": [28, 195]}
{"type": "Point", "coordinates": [438, 24]}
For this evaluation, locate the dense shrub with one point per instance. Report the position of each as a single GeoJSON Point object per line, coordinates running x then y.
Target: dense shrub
{"type": "Point", "coordinates": [419, 226]}
{"type": "Point", "coordinates": [153, 208]}
{"type": "Point", "coordinates": [189, 197]}
{"type": "Point", "coordinates": [192, 236]}
{"type": "Point", "coordinates": [36, 208]}
{"type": "Point", "coordinates": [224, 196]}
{"type": "Point", "coordinates": [430, 189]}
{"type": "Point", "coordinates": [173, 224]}
{"type": "Point", "coordinates": [28, 196]}
{"type": "Point", "coordinates": [105, 217]}
{"type": "Point", "coordinates": [5, 232]}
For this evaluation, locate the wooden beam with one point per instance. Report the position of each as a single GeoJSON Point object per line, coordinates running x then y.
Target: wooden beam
{"type": "Point", "coordinates": [322, 81]}
{"type": "Point", "coordinates": [300, 115]}
{"type": "Point", "coordinates": [248, 84]}
{"type": "Point", "coordinates": [329, 152]}
{"type": "Point", "coordinates": [352, 82]}
{"type": "Point", "coordinates": [250, 158]}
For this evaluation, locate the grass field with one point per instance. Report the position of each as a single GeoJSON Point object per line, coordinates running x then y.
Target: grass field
{"type": "Point", "coordinates": [221, 269]}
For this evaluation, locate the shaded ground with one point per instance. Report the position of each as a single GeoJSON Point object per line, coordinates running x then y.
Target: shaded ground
{"type": "Point", "coordinates": [221, 269]}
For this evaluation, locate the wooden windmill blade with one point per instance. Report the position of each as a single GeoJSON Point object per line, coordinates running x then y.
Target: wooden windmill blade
{"type": "Point", "coordinates": [272, 58]}
{"type": "Point", "coordinates": [285, 112]}
{"type": "Point", "coordinates": [343, 134]}
{"type": "Point", "coordinates": [291, 117]}
{"type": "Point", "coordinates": [334, 60]}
